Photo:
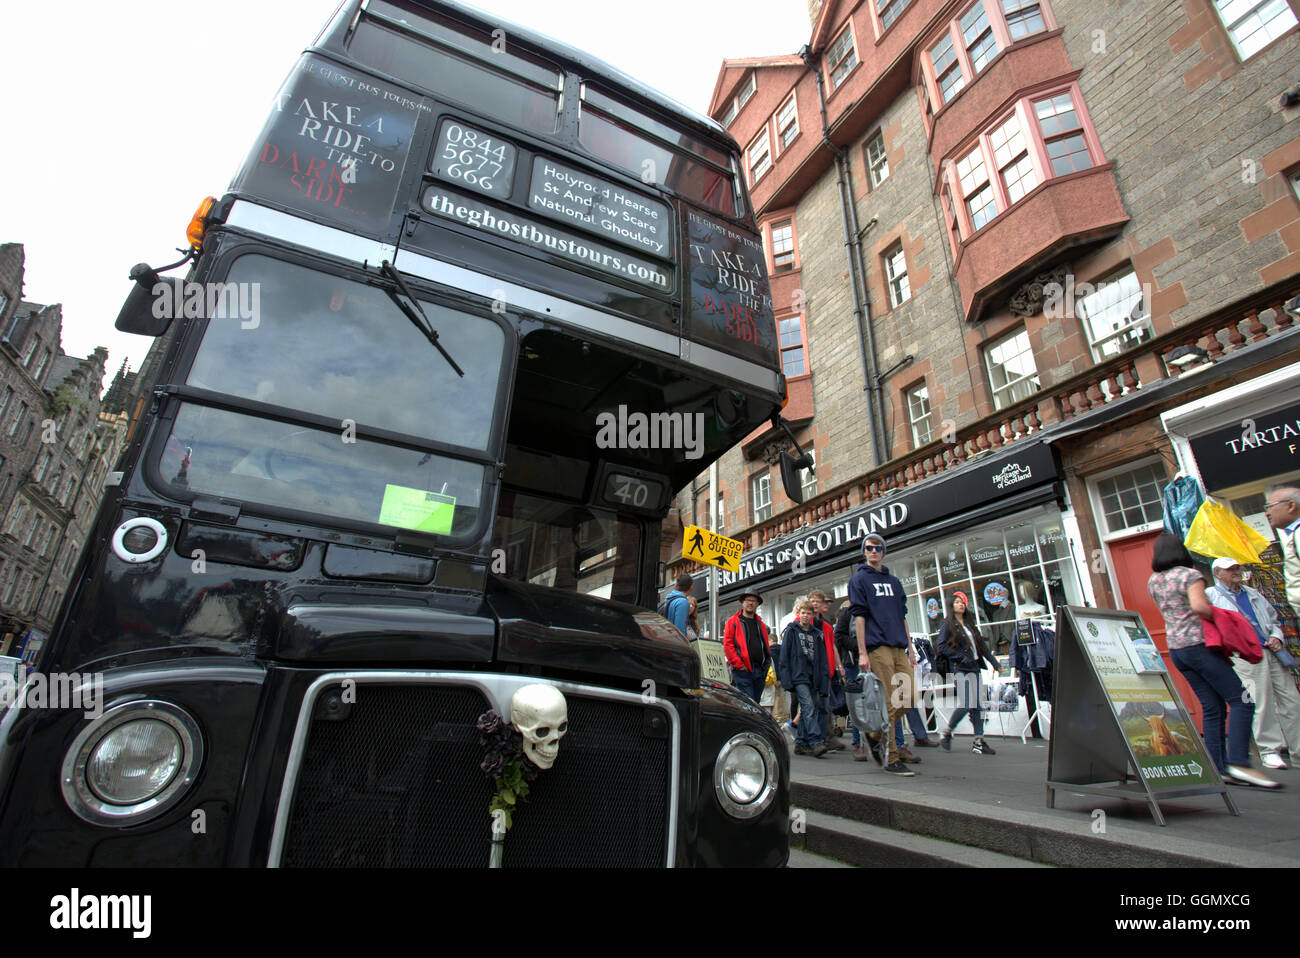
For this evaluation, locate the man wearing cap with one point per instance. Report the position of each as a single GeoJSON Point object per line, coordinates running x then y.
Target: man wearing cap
{"type": "Point", "coordinates": [878, 608]}
{"type": "Point", "coordinates": [1277, 704]}
{"type": "Point", "coordinates": [1282, 509]}
{"type": "Point", "coordinates": [744, 641]}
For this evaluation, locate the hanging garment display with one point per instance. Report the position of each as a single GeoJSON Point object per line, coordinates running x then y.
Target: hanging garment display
{"type": "Point", "coordinates": [1181, 500]}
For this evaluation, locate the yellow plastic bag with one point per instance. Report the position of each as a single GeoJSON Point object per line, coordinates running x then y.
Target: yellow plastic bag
{"type": "Point", "coordinates": [771, 676]}
{"type": "Point", "coordinates": [1217, 532]}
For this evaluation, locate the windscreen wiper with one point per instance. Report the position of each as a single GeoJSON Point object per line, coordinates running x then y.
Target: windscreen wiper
{"type": "Point", "coordinates": [411, 307]}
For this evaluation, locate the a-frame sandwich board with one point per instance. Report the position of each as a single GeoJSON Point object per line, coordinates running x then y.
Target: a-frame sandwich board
{"type": "Point", "coordinates": [1119, 728]}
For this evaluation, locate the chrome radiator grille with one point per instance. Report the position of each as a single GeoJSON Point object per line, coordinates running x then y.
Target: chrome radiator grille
{"type": "Point", "coordinates": [392, 779]}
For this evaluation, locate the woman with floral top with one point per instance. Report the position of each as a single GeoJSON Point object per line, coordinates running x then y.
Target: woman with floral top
{"type": "Point", "coordinates": [1179, 590]}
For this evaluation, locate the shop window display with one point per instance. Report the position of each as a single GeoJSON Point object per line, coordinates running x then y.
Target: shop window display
{"type": "Point", "coordinates": [1022, 570]}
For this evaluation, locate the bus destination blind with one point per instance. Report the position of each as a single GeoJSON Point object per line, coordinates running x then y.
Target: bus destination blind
{"type": "Point", "coordinates": [542, 236]}
{"type": "Point", "coordinates": [485, 163]}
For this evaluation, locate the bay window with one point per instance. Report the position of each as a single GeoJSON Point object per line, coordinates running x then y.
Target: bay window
{"type": "Point", "coordinates": [1067, 149]}
{"type": "Point", "coordinates": [947, 69]}
{"type": "Point", "coordinates": [975, 30]}
{"type": "Point", "coordinates": [1011, 157]}
{"type": "Point", "coordinates": [1041, 138]}
{"type": "Point", "coordinates": [971, 41]}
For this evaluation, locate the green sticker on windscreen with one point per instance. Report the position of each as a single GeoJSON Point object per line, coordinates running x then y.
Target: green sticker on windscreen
{"type": "Point", "coordinates": [417, 509]}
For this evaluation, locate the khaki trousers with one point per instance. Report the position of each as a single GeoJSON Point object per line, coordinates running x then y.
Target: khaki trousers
{"type": "Point", "coordinates": [1277, 703]}
{"type": "Point", "coordinates": [894, 670]}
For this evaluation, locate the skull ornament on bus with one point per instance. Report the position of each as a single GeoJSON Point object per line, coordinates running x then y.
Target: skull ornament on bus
{"type": "Point", "coordinates": [541, 715]}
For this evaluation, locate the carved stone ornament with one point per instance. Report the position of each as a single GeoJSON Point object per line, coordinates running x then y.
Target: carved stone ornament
{"type": "Point", "coordinates": [541, 715]}
{"type": "Point", "coordinates": [772, 453]}
{"type": "Point", "coordinates": [1028, 299]}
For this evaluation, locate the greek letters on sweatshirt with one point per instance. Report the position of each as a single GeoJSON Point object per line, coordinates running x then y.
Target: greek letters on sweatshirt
{"type": "Point", "coordinates": [879, 598]}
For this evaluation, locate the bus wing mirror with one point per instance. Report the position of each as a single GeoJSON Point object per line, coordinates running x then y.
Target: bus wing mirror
{"type": "Point", "coordinates": [790, 467]}
{"type": "Point", "coordinates": [150, 305]}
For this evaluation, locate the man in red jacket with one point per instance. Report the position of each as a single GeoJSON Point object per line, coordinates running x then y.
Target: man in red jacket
{"type": "Point", "coordinates": [744, 641]}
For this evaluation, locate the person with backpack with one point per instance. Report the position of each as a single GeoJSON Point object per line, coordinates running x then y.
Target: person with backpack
{"type": "Point", "coordinates": [963, 648]}
{"type": "Point", "coordinates": [745, 644]}
{"type": "Point", "coordinates": [803, 667]}
{"type": "Point", "coordinates": [675, 607]}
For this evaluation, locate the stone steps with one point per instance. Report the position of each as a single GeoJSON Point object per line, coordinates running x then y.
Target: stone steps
{"type": "Point", "coordinates": [874, 846]}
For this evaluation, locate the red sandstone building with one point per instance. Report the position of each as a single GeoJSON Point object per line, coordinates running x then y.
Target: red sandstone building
{"type": "Point", "coordinates": [991, 229]}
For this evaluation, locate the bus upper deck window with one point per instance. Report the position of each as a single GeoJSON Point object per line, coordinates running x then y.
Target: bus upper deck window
{"type": "Point", "coordinates": [503, 85]}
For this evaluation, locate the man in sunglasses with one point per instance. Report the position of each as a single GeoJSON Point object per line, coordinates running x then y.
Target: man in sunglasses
{"type": "Point", "coordinates": [1282, 510]}
{"type": "Point", "coordinates": [877, 608]}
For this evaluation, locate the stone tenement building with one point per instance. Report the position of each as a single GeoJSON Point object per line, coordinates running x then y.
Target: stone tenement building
{"type": "Point", "coordinates": [1030, 260]}
{"type": "Point", "coordinates": [56, 448]}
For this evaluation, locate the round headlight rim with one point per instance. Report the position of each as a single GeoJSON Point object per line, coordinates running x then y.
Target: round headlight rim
{"type": "Point", "coordinates": [86, 804]}
{"type": "Point", "coordinates": [767, 793]}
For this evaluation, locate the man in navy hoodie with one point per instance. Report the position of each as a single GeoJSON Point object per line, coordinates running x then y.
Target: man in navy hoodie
{"type": "Point", "coordinates": [877, 607]}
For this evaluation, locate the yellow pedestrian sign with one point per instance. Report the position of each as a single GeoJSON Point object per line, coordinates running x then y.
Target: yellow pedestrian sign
{"type": "Point", "coordinates": [712, 549]}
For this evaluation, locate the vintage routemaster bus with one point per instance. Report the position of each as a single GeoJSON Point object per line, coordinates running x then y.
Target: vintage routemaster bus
{"type": "Point", "coordinates": [474, 306]}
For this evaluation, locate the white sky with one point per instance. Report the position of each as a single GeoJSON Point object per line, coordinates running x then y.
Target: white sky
{"type": "Point", "coordinates": [113, 138]}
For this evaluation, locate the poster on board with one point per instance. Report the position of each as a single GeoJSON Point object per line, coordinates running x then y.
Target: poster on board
{"type": "Point", "coordinates": [1120, 730]}
{"type": "Point", "coordinates": [1164, 742]}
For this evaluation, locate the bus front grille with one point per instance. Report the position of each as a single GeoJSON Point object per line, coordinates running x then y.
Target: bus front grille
{"type": "Point", "coordinates": [389, 776]}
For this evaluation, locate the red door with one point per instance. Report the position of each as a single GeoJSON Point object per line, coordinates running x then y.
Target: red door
{"type": "Point", "coordinates": [1132, 561]}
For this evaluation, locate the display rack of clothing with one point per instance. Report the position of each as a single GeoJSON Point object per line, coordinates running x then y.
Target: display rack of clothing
{"type": "Point", "coordinates": [1034, 661]}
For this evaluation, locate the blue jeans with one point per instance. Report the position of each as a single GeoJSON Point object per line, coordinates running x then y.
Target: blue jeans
{"type": "Point", "coordinates": [851, 672]}
{"type": "Point", "coordinates": [915, 722]}
{"type": "Point", "coordinates": [812, 716]}
{"type": "Point", "coordinates": [968, 689]}
{"type": "Point", "coordinates": [751, 683]}
{"type": "Point", "coordinates": [1217, 685]}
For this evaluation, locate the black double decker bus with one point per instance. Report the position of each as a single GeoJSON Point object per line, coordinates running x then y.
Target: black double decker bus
{"type": "Point", "coordinates": [475, 305]}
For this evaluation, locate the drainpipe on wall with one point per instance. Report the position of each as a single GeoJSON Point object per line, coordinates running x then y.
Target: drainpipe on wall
{"type": "Point", "coordinates": [857, 279]}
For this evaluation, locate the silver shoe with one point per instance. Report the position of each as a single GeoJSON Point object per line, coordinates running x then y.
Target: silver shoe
{"type": "Point", "coordinates": [1248, 776]}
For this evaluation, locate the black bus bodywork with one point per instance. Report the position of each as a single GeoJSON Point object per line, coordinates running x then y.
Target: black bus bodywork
{"type": "Point", "coordinates": [335, 543]}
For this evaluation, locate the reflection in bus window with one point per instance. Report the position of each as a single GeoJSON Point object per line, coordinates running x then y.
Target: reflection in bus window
{"type": "Point", "coordinates": [508, 99]}
{"type": "Point", "coordinates": [638, 155]}
{"type": "Point", "coordinates": [356, 357]}
{"type": "Point", "coordinates": [567, 546]}
{"type": "Point", "coordinates": [215, 452]}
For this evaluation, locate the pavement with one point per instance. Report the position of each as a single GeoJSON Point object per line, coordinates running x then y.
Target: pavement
{"type": "Point", "coordinates": [960, 800]}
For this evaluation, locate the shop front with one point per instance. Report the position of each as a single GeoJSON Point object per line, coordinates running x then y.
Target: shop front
{"type": "Point", "coordinates": [1238, 442]}
{"type": "Point", "coordinates": [998, 530]}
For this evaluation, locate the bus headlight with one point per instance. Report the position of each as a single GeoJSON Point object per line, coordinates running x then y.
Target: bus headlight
{"type": "Point", "coordinates": [132, 764]}
{"type": "Point", "coordinates": [745, 775]}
